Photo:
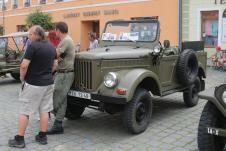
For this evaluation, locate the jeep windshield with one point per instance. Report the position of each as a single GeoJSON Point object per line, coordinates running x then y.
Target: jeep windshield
{"type": "Point", "coordinates": [136, 31]}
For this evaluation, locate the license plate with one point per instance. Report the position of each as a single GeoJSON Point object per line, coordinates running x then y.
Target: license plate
{"type": "Point", "coordinates": [212, 131]}
{"type": "Point", "coordinates": [78, 94]}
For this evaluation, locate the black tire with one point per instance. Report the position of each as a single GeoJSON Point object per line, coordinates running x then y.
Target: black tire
{"type": "Point", "coordinates": [16, 76]}
{"type": "Point", "coordinates": [73, 111]}
{"type": "Point", "coordinates": [190, 95]}
{"type": "Point", "coordinates": [211, 117]}
{"type": "Point", "coordinates": [187, 67]}
{"type": "Point", "coordinates": [137, 113]}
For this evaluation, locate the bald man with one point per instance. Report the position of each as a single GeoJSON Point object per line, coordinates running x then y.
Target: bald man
{"type": "Point", "coordinates": [36, 95]}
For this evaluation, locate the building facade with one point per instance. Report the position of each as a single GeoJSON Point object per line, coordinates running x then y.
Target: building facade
{"type": "Point", "coordinates": [207, 22]}
{"type": "Point", "coordinates": [84, 16]}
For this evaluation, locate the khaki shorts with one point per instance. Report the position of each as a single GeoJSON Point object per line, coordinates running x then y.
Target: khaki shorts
{"type": "Point", "coordinates": [36, 99]}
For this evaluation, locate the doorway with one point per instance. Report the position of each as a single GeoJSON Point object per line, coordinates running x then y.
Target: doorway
{"type": "Point", "coordinates": [86, 27]}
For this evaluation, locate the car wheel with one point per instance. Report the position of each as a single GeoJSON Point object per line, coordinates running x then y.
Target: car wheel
{"type": "Point", "coordinates": [190, 95]}
{"type": "Point", "coordinates": [211, 117]}
{"type": "Point", "coordinates": [16, 76]}
{"type": "Point", "coordinates": [187, 67]}
{"type": "Point", "coordinates": [137, 112]}
{"type": "Point", "coordinates": [73, 111]}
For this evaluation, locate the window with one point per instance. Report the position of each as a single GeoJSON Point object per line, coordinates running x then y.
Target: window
{"type": "Point", "coordinates": [15, 4]}
{"type": "Point", "coordinates": [21, 28]}
{"type": "Point", "coordinates": [3, 4]}
{"type": "Point", "coordinates": [209, 28]}
{"type": "Point", "coordinates": [4, 7]}
{"type": "Point", "coordinates": [42, 2]}
{"type": "Point", "coordinates": [27, 3]}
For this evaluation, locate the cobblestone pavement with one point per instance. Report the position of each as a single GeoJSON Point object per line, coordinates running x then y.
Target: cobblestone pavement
{"type": "Point", "coordinates": [173, 127]}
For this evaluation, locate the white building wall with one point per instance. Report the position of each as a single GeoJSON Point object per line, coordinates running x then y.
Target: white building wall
{"type": "Point", "coordinates": [185, 20]}
{"type": "Point", "coordinates": [196, 6]}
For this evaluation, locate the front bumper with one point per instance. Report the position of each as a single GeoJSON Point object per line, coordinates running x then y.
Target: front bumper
{"type": "Point", "coordinates": [79, 96]}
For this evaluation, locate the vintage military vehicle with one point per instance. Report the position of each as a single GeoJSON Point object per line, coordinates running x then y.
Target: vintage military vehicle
{"type": "Point", "coordinates": [11, 52]}
{"type": "Point", "coordinates": [212, 124]}
{"type": "Point", "coordinates": [12, 48]}
{"type": "Point", "coordinates": [129, 67]}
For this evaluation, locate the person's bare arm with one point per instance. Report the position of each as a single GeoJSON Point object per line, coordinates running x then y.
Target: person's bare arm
{"type": "Point", "coordinates": [23, 68]}
{"type": "Point", "coordinates": [55, 64]}
{"type": "Point", "coordinates": [61, 50]}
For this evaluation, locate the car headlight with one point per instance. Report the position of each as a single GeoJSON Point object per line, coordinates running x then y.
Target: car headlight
{"type": "Point", "coordinates": [224, 97]}
{"type": "Point", "coordinates": [157, 49]}
{"type": "Point", "coordinates": [110, 79]}
{"type": "Point", "coordinates": [220, 94]}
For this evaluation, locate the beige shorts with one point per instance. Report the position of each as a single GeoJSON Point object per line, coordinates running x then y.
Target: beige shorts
{"type": "Point", "coordinates": [36, 99]}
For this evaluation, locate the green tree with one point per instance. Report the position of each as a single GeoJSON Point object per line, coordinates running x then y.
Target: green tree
{"type": "Point", "coordinates": [40, 18]}
{"type": "Point", "coordinates": [1, 30]}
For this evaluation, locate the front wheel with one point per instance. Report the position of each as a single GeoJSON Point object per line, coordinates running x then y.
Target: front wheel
{"type": "Point", "coordinates": [211, 117]}
{"type": "Point", "coordinates": [137, 112]}
{"type": "Point", "coordinates": [73, 111]}
{"type": "Point", "coordinates": [16, 76]}
{"type": "Point", "coordinates": [190, 96]}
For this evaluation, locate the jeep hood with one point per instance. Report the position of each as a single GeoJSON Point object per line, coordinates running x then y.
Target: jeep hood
{"type": "Point", "coordinates": [114, 52]}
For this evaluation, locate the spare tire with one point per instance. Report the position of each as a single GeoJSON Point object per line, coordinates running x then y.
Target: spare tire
{"type": "Point", "coordinates": [187, 67]}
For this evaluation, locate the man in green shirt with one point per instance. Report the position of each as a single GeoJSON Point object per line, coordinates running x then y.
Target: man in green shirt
{"type": "Point", "coordinates": [64, 76]}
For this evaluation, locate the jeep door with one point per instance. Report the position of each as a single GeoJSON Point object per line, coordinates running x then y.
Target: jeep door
{"type": "Point", "coordinates": [167, 71]}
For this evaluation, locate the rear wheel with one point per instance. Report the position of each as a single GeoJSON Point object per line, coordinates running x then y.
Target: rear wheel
{"type": "Point", "coordinates": [137, 112]}
{"type": "Point", "coordinates": [190, 95]}
{"type": "Point", "coordinates": [211, 117]}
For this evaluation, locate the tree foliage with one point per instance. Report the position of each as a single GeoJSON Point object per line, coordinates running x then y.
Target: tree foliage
{"type": "Point", "coordinates": [40, 18]}
{"type": "Point", "coordinates": [1, 30]}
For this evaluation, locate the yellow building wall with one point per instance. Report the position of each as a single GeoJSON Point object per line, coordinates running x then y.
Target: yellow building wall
{"type": "Point", "coordinates": [167, 10]}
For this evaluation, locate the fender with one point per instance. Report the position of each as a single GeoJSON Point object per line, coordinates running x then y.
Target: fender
{"type": "Point", "coordinates": [131, 80]}
{"type": "Point", "coordinates": [202, 57]}
{"type": "Point", "coordinates": [201, 70]}
{"type": "Point", "coordinates": [214, 100]}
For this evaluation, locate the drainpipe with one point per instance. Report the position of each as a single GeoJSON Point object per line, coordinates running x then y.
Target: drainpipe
{"type": "Point", "coordinates": [180, 23]}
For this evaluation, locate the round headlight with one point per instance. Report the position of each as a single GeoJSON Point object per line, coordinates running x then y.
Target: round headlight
{"type": "Point", "coordinates": [220, 94]}
{"type": "Point", "coordinates": [224, 97]}
{"type": "Point", "coordinates": [157, 49]}
{"type": "Point", "coordinates": [110, 79]}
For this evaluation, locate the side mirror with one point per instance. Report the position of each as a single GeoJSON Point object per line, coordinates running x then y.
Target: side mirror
{"type": "Point", "coordinates": [166, 43]}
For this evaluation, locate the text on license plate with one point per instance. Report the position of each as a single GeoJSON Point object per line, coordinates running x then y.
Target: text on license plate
{"type": "Point", "coordinates": [78, 94]}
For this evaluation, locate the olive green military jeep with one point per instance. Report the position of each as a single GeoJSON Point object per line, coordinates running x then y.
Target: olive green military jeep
{"type": "Point", "coordinates": [11, 52]}
{"type": "Point", "coordinates": [129, 67]}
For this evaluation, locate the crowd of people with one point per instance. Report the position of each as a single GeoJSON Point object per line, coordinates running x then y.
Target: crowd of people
{"type": "Point", "coordinates": [46, 73]}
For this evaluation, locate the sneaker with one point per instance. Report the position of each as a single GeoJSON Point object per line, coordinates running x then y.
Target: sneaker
{"type": "Point", "coordinates": [17, 142]}
{"type": "Point", "coordinates": [41, 139]}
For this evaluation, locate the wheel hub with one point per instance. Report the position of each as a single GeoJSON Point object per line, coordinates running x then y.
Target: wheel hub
{"type": "Point", "coordinates": [140, 112]}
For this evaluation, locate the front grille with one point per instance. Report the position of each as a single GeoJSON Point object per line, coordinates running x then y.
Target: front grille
{"type": "Point", "coordinates": [83, 74]}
